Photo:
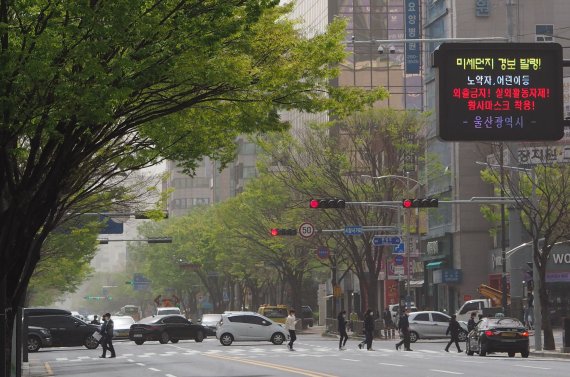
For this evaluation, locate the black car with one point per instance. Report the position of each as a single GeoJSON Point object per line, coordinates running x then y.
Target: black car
{"type": "Point", "coordinates": [498, 335]}
{"type": "Point", "coordinates": [165, 328]}
{"type": "Point", "coordinates": [38, 337]}
{"type": "Point", "coordinates": [307, 313]}
{"type": "Point", "coordinates": [210, 323]}
{"type": "Point", "coordinates": [65, 329]}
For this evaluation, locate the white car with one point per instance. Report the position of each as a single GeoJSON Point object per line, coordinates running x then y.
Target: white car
{"type": "Point", "coordinates": [249, 326]}
{"type": "Point", "coordinates": [432, 325]}
{"type": "Point", "coordinates": [394, 310]}
{"type": "Point", "coordinates": [165, 310]}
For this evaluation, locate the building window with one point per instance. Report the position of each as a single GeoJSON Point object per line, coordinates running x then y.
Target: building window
{"type": "Point", "coordinates": [544, 33]}
{"type": "Point", "coordinates": [249, 172]}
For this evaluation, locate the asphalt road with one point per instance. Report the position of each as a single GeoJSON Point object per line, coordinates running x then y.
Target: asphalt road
{"type": "Point", "coordinates": [315, 356]}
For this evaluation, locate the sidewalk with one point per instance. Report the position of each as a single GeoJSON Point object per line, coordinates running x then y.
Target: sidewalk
{"type": "Point", "coordinates": [35, 368]}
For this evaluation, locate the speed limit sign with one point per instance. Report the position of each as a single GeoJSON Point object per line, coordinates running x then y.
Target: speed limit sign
{"type": "Point", "coordinates": [306, 230]}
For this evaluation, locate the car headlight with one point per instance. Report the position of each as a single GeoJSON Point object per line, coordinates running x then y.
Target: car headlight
{"type": "Point", "coordinates": [45, 332]}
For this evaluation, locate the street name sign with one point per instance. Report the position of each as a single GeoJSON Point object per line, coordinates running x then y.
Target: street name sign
{"type": "Point", "coordinates": [386, 240]}
{"type": "Point", "coordinates": [353, 230]}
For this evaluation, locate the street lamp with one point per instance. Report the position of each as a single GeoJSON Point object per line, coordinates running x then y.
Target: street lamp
{"type": "Point", "coordinates": [407, 179]}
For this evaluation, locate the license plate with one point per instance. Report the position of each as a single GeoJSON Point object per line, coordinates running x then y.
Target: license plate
{"type": "Point", "coordinates": [138, 335]}
{"type": "Point", "coordinates": [509, 334]}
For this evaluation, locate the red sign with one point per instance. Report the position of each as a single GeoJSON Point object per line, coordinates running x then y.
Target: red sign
{"type": "Point", "coordinates": [467, 297]}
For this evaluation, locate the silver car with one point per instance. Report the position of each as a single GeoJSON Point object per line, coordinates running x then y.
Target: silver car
{"type": "Point", "coordinates": [432, 325]}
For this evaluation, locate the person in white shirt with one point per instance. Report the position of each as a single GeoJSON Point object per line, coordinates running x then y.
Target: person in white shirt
{"type": "Point", "coordinates": [290, 323]}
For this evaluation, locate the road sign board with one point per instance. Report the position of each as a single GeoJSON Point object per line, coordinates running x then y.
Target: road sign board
{"type": "Point", "coordinates": [323, 252]}
{"type": "Point", "coordinates": [307, 230]}
{"type": "Point", "coordinates": [386, 240]}
{"type": "Point", "coordinates": [399, 260]}
{"type": "Point", "coordinates": [353, 230]}
{"type": "Point", "coordinates": [399, 270]}
{"type": "Point", "coordinates": [399, 249]}
{"type": "Point", "coordinates": [337, 291]}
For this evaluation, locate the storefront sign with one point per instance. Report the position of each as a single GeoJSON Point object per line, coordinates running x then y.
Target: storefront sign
{"type": "Point", "coordinates": [451, 276]}
{"type": "Point", "coordinates": [482, 8]}
{"type": "Point", "coordinates": [413, 31]}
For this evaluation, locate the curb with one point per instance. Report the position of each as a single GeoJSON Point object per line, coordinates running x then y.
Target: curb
{"type": "Point", "coordinates": [555, 355]}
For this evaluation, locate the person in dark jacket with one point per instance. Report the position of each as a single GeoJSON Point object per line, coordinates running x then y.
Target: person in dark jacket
{"type": "Point", "coordinates": [454, 328]}
{"type": "Point", "coordinates": [404, 329]}
{"type": "Point", "coordinates": [342, 329]}
{"type": "Point", "coordinates": [368, 330]}
{"type": "Point", "coordinates": [107, 335]}
{"type": "Point", "coordinates": [471, 323]}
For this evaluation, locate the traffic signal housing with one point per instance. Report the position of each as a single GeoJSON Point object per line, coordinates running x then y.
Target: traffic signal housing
{"type": "Point", "coordinates": [420, 203]}
{"type": "Point", "coordinates": [327, 203]}
{"type": "Point", "coordinates": [283, 232]}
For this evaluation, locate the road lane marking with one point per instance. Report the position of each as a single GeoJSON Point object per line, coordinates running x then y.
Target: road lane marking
{"type": "Point", "coordinates": [130, 360]}
{"type": "Point", "coordinates": [304, 372]}
{"type": "Point", "coordinates": [141, 364]}
{"type": "Point", "coordinates": [169, 375]}
{"type": "Point", "coordinates": [444, 371]}
{"type": "Point", "coordinates": [154, 369]}
{"type": "Point", "coordinates": [350, 360]}
{"type": "Point", "coordinates": [391, 365]}
{"type": "Point", "coordinates": [61, 359]}
{"type": "Point", "coordinates": [532, 367]}
{"type": "Point", "coordinates": [48, 369]}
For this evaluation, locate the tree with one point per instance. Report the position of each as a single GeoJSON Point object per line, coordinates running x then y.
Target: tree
{"type": "Point", "coordinates": [542, 194]}
{"type": "Point", "coordinates": [91, 89]}
{"type": "Point", "coordinates": [328, 162]}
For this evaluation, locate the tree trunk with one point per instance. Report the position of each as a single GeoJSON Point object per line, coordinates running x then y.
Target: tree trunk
{"type": "Point", "coordinates": [549, 343]}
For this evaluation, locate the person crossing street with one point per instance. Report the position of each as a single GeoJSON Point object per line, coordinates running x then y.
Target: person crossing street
{"type": "Point", "coordinates": [454, 328]}
{"type": "Point", "coordinates": [290, 325]}
{"type": "Point", "coordinates": [107, 336]}
{"type": "Point", "coordinates": [342, 330]}
{"type": "Point", "coordinates": [368, 330]}
{"type": "Point", "coordinates": [404, 329]}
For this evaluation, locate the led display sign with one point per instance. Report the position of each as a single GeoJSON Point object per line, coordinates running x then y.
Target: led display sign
{"type": "Point", "coordinates": [500, 91]}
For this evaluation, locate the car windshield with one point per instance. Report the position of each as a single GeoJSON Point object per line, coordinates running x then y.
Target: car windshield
{"type": "Point", "coordinates": [511, 322]}
{"type": "Point", "coordinates": [152, 319]}
{"type": "Point", "coordinates": [275, 313]}
{"type": "Point", "coordinates": [169, 311]}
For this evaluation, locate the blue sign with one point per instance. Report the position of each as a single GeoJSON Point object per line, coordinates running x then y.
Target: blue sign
{"type": "Point", "coordinates": [413, 31]}
{"type": "Point", "coordinates": [353, 230]}
{"type": "Point", "coordinates": [386, 240]}
{"type": "Point", "coordinates": [140, 282]}
{"type": "Point", "coordinates": [323, 253]}
{"type": "Point", "coordinates": [399, 249]}
{"type": "Point", "coordinates": [452, 276]}
{"type": "Point", "coordinates": [399, 260]}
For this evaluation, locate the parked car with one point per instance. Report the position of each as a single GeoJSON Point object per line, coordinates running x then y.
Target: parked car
{"type": "Point", "coordinates": [38, 337]}
{"type": "Point", "coordinates": [210, 323]}
{"type": "Point", "coordinates": [249, 326]}
{"type": "Point", "coordinates": [498, 335]}
{"type": "Point", "coordinates": [432, 325]}
{"type": "Point", "coordinates": [65, 329]}
{"type": "Point", "coordinates": [277, 313]}
{"type": "Point", "coordinates": [165, 328]}
{"type": "Point", "coordinates": [168, 310]}
{"type": "Point", "coordinates": [395, 311]}
{"type": "Point", "coordinates": [122, 326]}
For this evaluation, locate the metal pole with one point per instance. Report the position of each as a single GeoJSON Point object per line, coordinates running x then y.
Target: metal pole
{"type": "Point", "coordinates": [408, 244]}
{"type": "Point", "coordinates": [536, 278]}
{"type": "Point", "coordinates": [503, 240]}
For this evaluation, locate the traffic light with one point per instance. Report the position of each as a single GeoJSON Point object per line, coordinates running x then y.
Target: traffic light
{"type": "Point", "coordinates": [283, 232]}
{"type": "Point", "coordinates": [420, 203]}
{"type": "Point", "coordinates": [327, 203]}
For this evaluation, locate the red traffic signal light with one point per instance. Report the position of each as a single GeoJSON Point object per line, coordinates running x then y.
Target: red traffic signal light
{"type": "Point", "coordinates": [327, 203]}
{"type": "Point", "coordinates": [420, 203]}
{"type": "Point", "coordinates": [283, 232]}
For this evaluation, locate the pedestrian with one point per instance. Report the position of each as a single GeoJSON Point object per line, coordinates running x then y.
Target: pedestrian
{"type": "Point", "coordinates": [290, 324]}
{"type": "Point", "coordinates": [95, 320]}
{"type": "Point", "coordinates": [368, 330]}
{"type": "Point", "coordinates": [471, 323]}
{"type": "Point", "coordinates": [107, 335]}
{"type": "Point", "coordinates": [342, 330]}
{"type": "Point", "coordinates": [388, 323]}
{"type": "Point", "coordinates": [454, 328]}
{"type": "Point", "coordinates": [404, 329]}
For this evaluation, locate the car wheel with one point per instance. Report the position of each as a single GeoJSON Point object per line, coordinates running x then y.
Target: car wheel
{"type": "Point", "coordinates": [414, 336]}
{"type": "Point", "coordinates": [139, 342]}
{"type": "Point", "coordinates": [91, 343]}
{"type": "Point", "coordinates": [278, 338]}
{"type": "Point", "coordinates": [511, 354]}
{"type": "Point", "coordinates": [482, 351]}
{"type": "Point", "coordinates": [199, 337]}
{"type": "Point", "coordinates": [226, 339]}
{"type": "Point", "coordinates": [310, 324]}
{"type": "Point", "coordinates": [462, 336]}
{"type": "Point", "coordinates": [173, 340]}
{"type": "Point", "coordinates": [524, 354]}
{"type": "Point", "coordinates": [164, 338]}
{"type": "Point", "coordinates": [34, 343]}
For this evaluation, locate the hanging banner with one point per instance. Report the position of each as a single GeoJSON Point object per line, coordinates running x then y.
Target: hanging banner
{"type": "Point", "coordinates": [413, 31]}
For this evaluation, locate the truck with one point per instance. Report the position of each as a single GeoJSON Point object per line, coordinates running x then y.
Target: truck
{"type": "Point", "coordinates": [488, 306]}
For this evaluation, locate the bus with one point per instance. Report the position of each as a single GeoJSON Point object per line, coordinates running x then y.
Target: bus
{"type": "Point", "coordinates": [131, 310]}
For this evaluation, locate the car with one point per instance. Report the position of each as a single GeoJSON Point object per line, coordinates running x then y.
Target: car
{"type": "Point", "coordinates": [166, 328]}
{"type": "Point", "coordinates": [395, 311]}
{"type": "Point", "coordinates": [249, 326]}
{"type": "Point", "coordinates": [277, 313]}
{"type": "Point", "coordinates": [38, 337]}
{"type": "Point", "coordinates": [498, 334]}
{"type": "Point", "coordinates": [432, 325]}
{"type": "Point", "coordinates": [210, 323]}
{"type": "Point", "coordinates": [65, 329]}
{"type": "Point", "coordinates": [122, 326]}
{"type": "Point", "coordinates": [168, 310]}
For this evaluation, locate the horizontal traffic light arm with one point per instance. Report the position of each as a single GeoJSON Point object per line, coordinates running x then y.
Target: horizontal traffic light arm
{"type": "Point", "coordinates": [283, 232]}
{"type": "Point", "coordinates": [473, 200]}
